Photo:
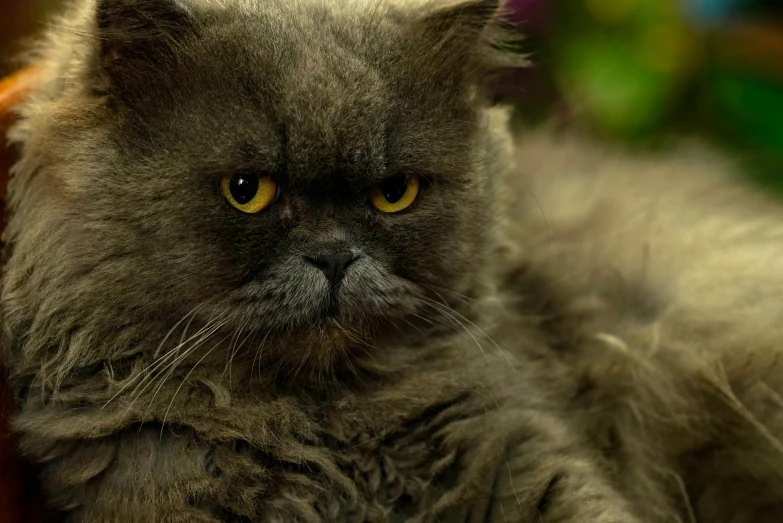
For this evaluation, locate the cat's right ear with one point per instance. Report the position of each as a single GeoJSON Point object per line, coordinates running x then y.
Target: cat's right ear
{"type": "Point", "coordinates": [468, 39]}
{"type": "Point", "coordinates": [137, 37]}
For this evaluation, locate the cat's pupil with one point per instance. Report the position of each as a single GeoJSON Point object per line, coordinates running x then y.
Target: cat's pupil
{"type": "Point", "coordinates": [394, 189]}
{"type": "Point", "coordinates": [243, 188]}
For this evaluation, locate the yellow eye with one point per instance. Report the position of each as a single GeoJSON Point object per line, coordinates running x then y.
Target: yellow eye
{"type": "Point", "coordinates": [249, 193]}
{"type": "Point", "coordinates": [395, 194]}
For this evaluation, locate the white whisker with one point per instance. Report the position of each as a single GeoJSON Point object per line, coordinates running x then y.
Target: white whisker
{"type": "Point", "coordinates": [445, 309]}
{"type": "Point", "coordinates": [185, 379]}
{"type": "Point", "coordinates": [146, 372]}
{"type": "Point", "coordinates": [170, 366]}
{"type": "Point", "coordinates": [173, 366]}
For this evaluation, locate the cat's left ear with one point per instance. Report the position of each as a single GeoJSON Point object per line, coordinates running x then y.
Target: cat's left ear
{"type": "Point", "coordinates": [137, 36]}
{"type": "Point", "coordinates": [471, 38]}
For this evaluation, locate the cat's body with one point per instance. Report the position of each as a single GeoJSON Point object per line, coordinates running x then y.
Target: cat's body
{"type": "Point", "coordinates": [577, 337]}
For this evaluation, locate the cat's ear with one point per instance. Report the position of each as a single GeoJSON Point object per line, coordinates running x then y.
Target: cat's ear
{"type": "Point", "coordinates": [136, 36]}
{"type": "Point", "coordinates": [460, 20]}
{"type": "Point", "coordinates": [472, 37]}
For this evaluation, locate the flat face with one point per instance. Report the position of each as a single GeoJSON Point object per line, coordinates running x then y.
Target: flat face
{"type": "Point", "coordinates": [295, 169]}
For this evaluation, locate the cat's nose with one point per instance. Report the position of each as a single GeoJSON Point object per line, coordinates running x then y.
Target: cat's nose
{"type": "Point", "coordinates": [333, 265]}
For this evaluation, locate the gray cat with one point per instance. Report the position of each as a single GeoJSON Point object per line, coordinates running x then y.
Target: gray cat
{"type": "Point", "coordinates": [280, 261]}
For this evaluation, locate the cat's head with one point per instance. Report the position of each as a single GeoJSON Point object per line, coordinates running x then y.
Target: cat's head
{"type": "Point", "coordinates": [319, 172]}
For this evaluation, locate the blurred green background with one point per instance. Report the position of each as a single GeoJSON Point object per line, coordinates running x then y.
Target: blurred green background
{"type": "Point", "coordinates": [635, 71]}
{"type": "Point", "coordinates": [642, 71]}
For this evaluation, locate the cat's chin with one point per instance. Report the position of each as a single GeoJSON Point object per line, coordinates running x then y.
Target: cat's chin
{"type": "Point", "coordinates": [325, 345]}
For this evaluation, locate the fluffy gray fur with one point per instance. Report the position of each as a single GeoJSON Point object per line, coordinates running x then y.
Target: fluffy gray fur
{"type": "Point", "coordinates": [615, 358]}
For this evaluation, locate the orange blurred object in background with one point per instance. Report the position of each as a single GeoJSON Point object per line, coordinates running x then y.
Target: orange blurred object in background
{"type": "Point", "coordinates": [20, 499]}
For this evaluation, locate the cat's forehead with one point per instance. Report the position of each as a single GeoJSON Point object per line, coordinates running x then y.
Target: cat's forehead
{"type": "Point", "coordinates": [336, 96]}
{"type": "Point", "coordinates": [300, 51]}
{"type": "Point", "coordinates": [334, 117]}
{"type": "Point", "coordinates": [303, 87]}
{"type": "Point", "coordinates": [325, 105]}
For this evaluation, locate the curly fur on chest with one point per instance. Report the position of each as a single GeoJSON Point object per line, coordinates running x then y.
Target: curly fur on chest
{"type": "Point", "coordinates": [410, 447]}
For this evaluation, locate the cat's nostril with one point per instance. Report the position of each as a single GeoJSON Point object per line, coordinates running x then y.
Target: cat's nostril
{"type": "Point", "coordinates": [333, 265]}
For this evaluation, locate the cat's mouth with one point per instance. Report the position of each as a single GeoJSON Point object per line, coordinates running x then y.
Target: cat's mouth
{"type": "Point", "coordinates": [330, 310]}
{"type": "Point", "coordinates": [295, 296]}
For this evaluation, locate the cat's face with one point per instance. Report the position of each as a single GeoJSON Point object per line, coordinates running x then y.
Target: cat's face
{"type": "Point", "coordinates": [282, 169]}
